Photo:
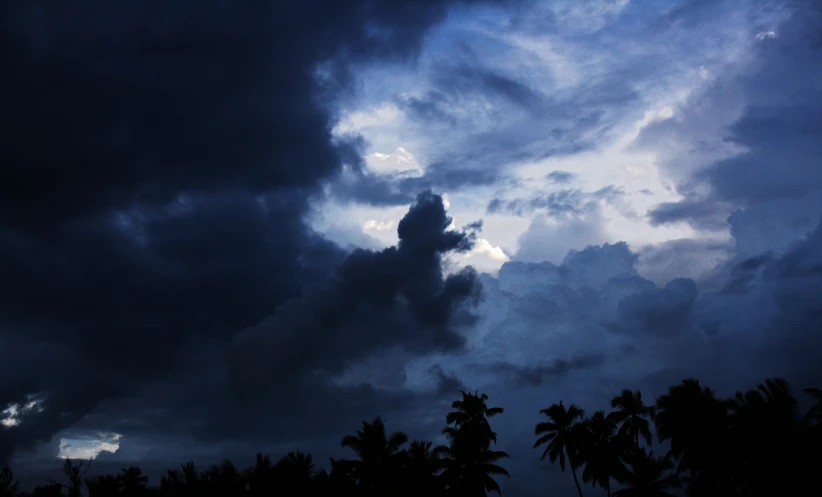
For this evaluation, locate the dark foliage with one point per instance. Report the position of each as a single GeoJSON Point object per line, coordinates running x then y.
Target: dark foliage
{"type": "Point", "coordinates": [754, 444]}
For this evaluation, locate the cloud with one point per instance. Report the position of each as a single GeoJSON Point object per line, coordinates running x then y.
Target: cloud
{"type": "Point", "coordinates": [394, 297]}
{"type": "Point", "coordinates": [535, 375]}
{"type": "Point", "coordinates": [763, 143]}
{"type": "Point", "coordinates": [556, 204]}
{"type": "Point", "coordinates": [155, 184]}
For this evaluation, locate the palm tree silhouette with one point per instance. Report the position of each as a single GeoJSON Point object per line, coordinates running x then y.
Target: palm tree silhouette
{"type": "Point", "coordinates": [596, 450]}
{"type": "Point", "coordinates": [337, 481]}
{"type": "Point", "coordinates": [422, 464]}
{"type": "Point", "coordinates": [183, 482]}
{"type": "Point", "coordinates": [298, 467]}
{"type": "Point", "coordinates": [764, 428]}
{"type": "Point", "coordinates": [132, 481]}
{"type": "Point", "coordinates": [262, 478]}
{"type": "Point", "coordinates": [648, 476]}
{"type": "Point", "coordinates": [471, 475]}
{"type": "Point", "coordinates": [468, 461]}
{"type": "Point", "coordinates": [379, 454]}
{"type": "Point", "coordinates": [225, 479]}
{"type": "Point", "coordinates": [633, 415]}
{"type": "Point", "coordinates": [696, 423]}
{"type": "Point", "coordinates": [558, 433]}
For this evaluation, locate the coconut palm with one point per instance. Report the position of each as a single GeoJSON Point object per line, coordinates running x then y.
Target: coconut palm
{"type": "Point", "coordinates": [422, 464]}
{"type": "Point", "coordinates": [183, 482]}
{"type": "Point", "coordinates": [297, 467]}
{"type": "Point", "coordinates": [132, 481]}
{"type": "Point", "coordinates": [695, 422]}
{"type": "Point", "coordinates": [378, 452]}
{"type": "Point", "coordinates": [633, 415]}
{"type": "Point", "coordinates": [648, 476]}
{"type": "Point", "coordinates": [468, 461]}
{"type": "Point", "coordinates": [597, 450]}
{"type": "Point", "coordinates": [471, 474]}
{"type": "Point", "coordinates": [558, 433]}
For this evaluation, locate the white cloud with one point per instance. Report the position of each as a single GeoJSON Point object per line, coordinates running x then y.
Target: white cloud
{"type": "Point", "coordinates": [90, 447]}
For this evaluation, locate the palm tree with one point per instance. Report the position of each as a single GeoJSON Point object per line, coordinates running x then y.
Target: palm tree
{"type": "Point", "coordinates": [596, 450]}
{"type": "Point", "coordinates": [8, 485]}
{"type": "Point", "coordinates": [262, 477]}
{"type": "Point", "coordinates": [696, 423]}
{"type": "Point", "coordinates": [378, 454]}
{"type": "Point", "coordinates": [421, 466]}
{"type": "Point", "coordinates": [472, 406]}
{"type": "Point", "coordinates": [633, 414]}
{"type": "Point", "coordinates": [183, 482]}
{"type": "Point", "coordinates": [558, 433]}
{"type": "Point", "coordinates": [338, 481]}
{"type": "Point", "coordinates": [648, 476]}
{"type": "Point", "coordinates": [225, 479]}
{"type": "Point", "coordinates": [764, 427]}
{"type": "Point", "coordinates": [470, 474]}
{"type": "Point", "coordinates": [468, 461]}
{"type": "Point", "coordinates": [132, 481]}
{"type": "Point", "coordinates": [297, 471]}
{"type": "Point", "coordinates": [472, 413]}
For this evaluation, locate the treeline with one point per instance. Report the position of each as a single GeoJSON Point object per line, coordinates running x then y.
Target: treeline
{"type": "Point", "coordinates": [753, 444]}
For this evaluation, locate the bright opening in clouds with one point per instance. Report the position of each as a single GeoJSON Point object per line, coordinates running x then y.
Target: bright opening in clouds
{"type": "Point", "coordinates": [218, 252]}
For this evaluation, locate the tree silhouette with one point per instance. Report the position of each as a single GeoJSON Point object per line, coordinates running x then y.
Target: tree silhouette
{"type": "Point", "coordinates": [558, 433]}
{"type": "Point", "coordinates": [74, 473]}
{"type": "Point", "coordinates": [696, 423]}
{"type": "Point", "coordinates": [468, 461]}
{"type": "Point", "coordinates": [648, 476]}
{"type": "Point", "coordinates": [633, 415]}
{"type": "Point", "coordinates": [378, 453]}
{"type": "Point", "coordinates": [422, 465]}
{"type": "Point", "coordinates": [8, 485]}
{"type": "Point", "coordinates": [754, 444]}
{"type": "Point", "coordinates": [597, 450]}
{"type": "Point", "coordinates": [183, 482]}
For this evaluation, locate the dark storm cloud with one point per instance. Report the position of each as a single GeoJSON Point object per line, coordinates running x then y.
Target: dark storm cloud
{"type": "Point", "coordinates": [397, 296]}
{"type": "Point", "coordinates": [156, 167]}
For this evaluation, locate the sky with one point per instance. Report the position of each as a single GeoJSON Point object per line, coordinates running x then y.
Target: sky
{"type": "Point", "coordinates": [249, 229]}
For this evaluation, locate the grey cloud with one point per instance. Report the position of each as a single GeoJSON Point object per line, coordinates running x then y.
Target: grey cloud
{"type": "Point", "coordinates": [695, 259]}
{"type": "Point", "coordinates": [665, 310]}
{"type": "Point", "coordinates": [556, 204]}
{"type": "Point", "coordinates": [701, 214]}
{"type": "Point", "coordinates": [776, 138]}
{"type": "Point", "coordinates": [561, 177]}
{"type": "Point", "coordinates": [535, 375]}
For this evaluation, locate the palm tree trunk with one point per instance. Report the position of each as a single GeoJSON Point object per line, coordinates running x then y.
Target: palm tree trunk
{"type": "Point", "coordinates": [574, 472]}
